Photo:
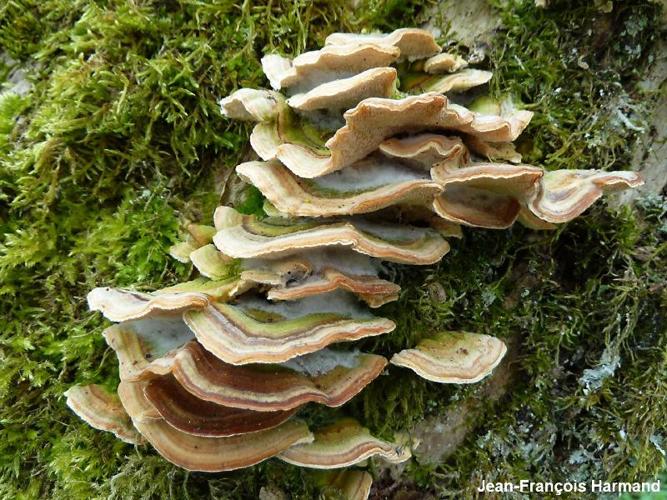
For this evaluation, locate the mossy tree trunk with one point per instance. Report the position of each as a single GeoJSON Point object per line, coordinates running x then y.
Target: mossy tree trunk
{"type": "Point", "coordinates": [110, 137]}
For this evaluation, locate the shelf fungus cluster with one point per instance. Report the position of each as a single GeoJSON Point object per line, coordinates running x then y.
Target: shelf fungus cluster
{"type": "Point", "coordinates": [365, 155]}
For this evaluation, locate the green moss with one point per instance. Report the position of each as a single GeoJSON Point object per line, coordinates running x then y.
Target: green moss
{"type": "Point", "coordinates": [11, 106]}
{"type": "Point", "coordinates": [294, 129]}
{"type": "Point", "coordinates": [591, 332]}
{"type": "Point", "coordinates": [576, 68]}
{"type": "Point", "coordinates": [121, 135]}
{"type": "Point", "coordinates": [252, 202]}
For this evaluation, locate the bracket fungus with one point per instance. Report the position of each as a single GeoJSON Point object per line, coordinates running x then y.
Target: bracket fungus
{"type": "Point", "coordinates": [425, 150]}
{"type": "Point", "coordinates": [257, 331]}
{"type": "Point", "coordinates": [485, 195]}
{"type": "Point", "coordinates": [253, 105]}
{"type": "Point", "coordinates": [341, 94]}
{"type": "Point", "coordinates": [244, 237]}
{"type": "Point", "coordinates": [412, 43]}
{"type": "Point", "coordinates": [367, 186]}
{"type": "Point", "coordinates": [466, 79]}
{"type": "Point", "coordinates": [565, 194]}
{"type": "Point", "coordinates": [186, 412]}
{"type": "Point", "coordinates": [453, 357]}
{"type": "Point", "coordinates": [353, 484]}
{"type": "Point", "coordinates": [207, 454]}
{"type": "Point", "coordinates": [369, 288]}
{"type": "Point", "coordinates": [364, 160]}
{"type": "Point", "coordinates": [328, 64]}
{"type": "Point", "coordinates": [342, 444]}
{"type": "Point", "coordinates": [444, 63]}
{"type": "Point", "coordinates": [145, 347]}
{"type": "Point", "coordinates": [375, 119]}
{"type": "Point", "coordinates": [495, 195]}
{"type": "Point", "coordinates": [328, 270]}
{"type": "Point", "coordinates": [126, 305]}
{"type": "Point", "coordinates": [198, 236]}
{"type": "Point", "coordinates": [327, 377]}
{"type": "Point", "coordinates": [102, 410]}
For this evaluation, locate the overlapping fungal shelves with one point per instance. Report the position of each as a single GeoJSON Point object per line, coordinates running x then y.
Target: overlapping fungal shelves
{"type": "Point", "coordinates": [453, 357]}
{"type": "Point", "coordinates": [343, 444]}
{"type": "Point", "coordinates": [365, 155]}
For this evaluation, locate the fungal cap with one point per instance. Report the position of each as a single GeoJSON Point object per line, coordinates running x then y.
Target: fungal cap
{"type": "Point", "coordinates": [102, 410]}
{"type": "Point", "coordinates": [252, 105]}
{"type": "Point", "coordinates": [145, 347]}
{"type": "Point", "coordinates": [197, 236]}
{"type": "Point", "coordinates": [186, 412]}
{"type": "Point", "coordinates": [375, 119]}
{"type": "Point", "coordinates": [527, 219]}
{"type": "Point", "coordinates": [181, 251]}
{"type": "Point", "coordinates": [218, 289]}
{"type": "Point", "coordinates": [245, 237]}
{"type": "Point", "coordinates": [346, 92]}
{"type": "Point", "coordinates": [255, 331]}
{"type": "Point", "coordinates": [124, 305]}
{"type": "Point", "coordinates": [353, 484]}
{"type": "Point", "coordinates": [327, 377]}
{"type": "Point", "coordinates": [327, 64]}
{"type": "Point", "coordinates": [210, 262]}
{"type": "Point", "coordinates": [490, 113]}
{"type": "Point", "coordinates": [371, 289]}
{"type": "Point", "coordinates": [367, 186]}
{"type": "Point", "coordinates": [343, 444]}
{"type": "Point", "coordinates": [565, 194]}
{"type": "Point", "coordinates": [444, 63]}
{"type": "Point", "coordinates": [424, 150]}
{"type": "Point", "coordinates": [488, 195]}
{"type": "Point", "coordinates": [455, 82]}
{"type": "Point", "coordinates": [413, 43]}
{"type": "Point", "coordinates": [137, 406]}
{"type": "Point", "coordinates": [453, 357]}
{"type": "Point", "coordinates": [210, 454]}
{"type": "Point", "coordinates": [314, 273]}
{"type": "Point", "coordinates": [265, 139]}
{"type": "Point", "coordinates": [493, 151]}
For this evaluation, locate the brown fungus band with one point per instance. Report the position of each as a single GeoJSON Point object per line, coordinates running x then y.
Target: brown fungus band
{"type": "Point", "coordinates": [362, 159]}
